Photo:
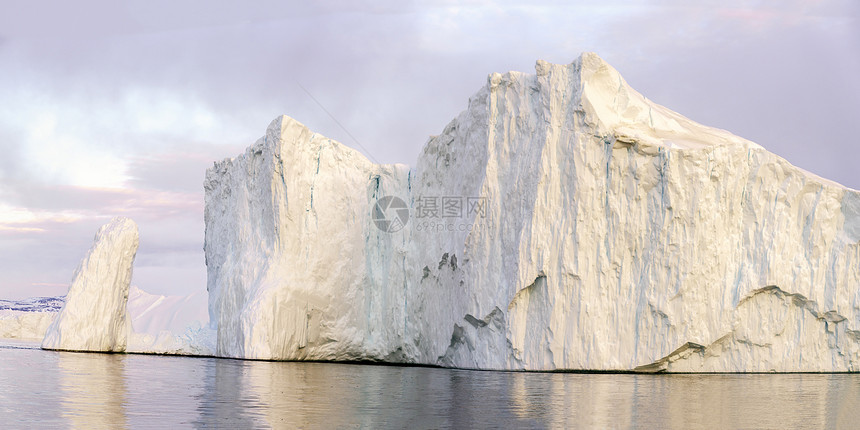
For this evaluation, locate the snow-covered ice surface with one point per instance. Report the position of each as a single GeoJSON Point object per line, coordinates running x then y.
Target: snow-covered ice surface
{"type": "Point", "coordinates": [94, 316]}
{"type": "Point", "coordinates": [153, 313]}
{"type": "Point", "coordinates": [29, 318]}
{"type": "Point", "coordinates": [610, 232]}
{"type": "Point", "coordinates": [169, 324]}
{"type": "Point", "coordinates": [29, 325]}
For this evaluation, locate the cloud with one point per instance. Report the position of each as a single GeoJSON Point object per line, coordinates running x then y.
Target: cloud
{"type": "Point", "coordinates": [118, 108]}
{"type": "Point", "coordinates": [45, 245]}
{"type": "Point", "coordinates": [790, 88]}
{"type": "Point", "coordinates": [179, 168]}
{"type": "Point", "coordinates": [48, 257]}
{"type": "Point", "coordinates": [46, 234]}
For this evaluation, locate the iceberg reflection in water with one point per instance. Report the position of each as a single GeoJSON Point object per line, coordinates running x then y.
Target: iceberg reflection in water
{"type": "Point", "coordinates": [117, 390]}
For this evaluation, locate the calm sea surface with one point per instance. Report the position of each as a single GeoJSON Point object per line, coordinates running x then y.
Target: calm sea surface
{"type": "Point", "coordinates": [56, 389]}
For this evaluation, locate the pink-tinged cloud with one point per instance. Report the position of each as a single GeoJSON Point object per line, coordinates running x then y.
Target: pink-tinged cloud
{"type": "Point", "coordinates": [49, 284]}
{"type": "Point", "coordinates": [7, 229]}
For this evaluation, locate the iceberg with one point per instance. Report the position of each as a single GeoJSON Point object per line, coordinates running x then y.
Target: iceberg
{"type": "Point", "coordinates": [154, 313]}
{"type": "Point", "coordinates": [103, 313]}
{"type": "Point", "coordinates": [562, 221]}
{"type": "Point", "coordinates": [28, 319]}
{"type": "Point", "coordinates": [24, 325]}
{"type": "Point", "coordinates": [94, 316]}
{"type": "Point", "coordinates": [175, 325]}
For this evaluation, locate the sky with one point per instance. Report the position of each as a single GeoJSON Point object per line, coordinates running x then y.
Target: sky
{"type": "Point", "coordinates": [112, 108]}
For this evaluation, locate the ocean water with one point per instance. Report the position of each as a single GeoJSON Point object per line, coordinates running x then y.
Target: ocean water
{"type": "Point", "coordinates": [47, 389]}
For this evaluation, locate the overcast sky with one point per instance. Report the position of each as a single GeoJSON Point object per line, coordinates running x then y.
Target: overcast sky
{"type": "Point", "coordinates": [117, 108]}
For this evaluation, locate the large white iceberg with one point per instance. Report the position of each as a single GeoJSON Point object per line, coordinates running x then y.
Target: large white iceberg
{"type": "Point", "coordinates": [94, 316]}
{"type": "Point", "coordinates": [562, 221]}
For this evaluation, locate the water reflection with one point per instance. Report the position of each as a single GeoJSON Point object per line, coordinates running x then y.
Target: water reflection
{"type": "Point", "coordinates": [93, 390]}
{"type": "Point", "coordinates": [224, 401]}
{"type": "Point", "coordinates": [28, 390]}
{"type": "Point", "coordinates": [50, 389]}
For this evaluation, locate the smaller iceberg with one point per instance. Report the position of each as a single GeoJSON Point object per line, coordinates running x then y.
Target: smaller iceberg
{"type": "Point", "coordinates": [94, 317]}
{"type": "Point", "coordinates": [28, 319]}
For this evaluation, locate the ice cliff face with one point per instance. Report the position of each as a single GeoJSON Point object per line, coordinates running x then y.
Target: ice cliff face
{"type": "Point", "coordinates": [94, 317]}
{"type": "Point", "coordinates": [773, 331]}
{"type": "Point", "coordinates": [297, 269]}
{"type": "Point", "coordinates": [595, 230]}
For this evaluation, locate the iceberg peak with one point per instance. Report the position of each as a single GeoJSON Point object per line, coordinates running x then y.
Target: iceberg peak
{"type": "Point", "coordinates": [617, 111]}
{"type": "Point", "coordinates": [287, 128]}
